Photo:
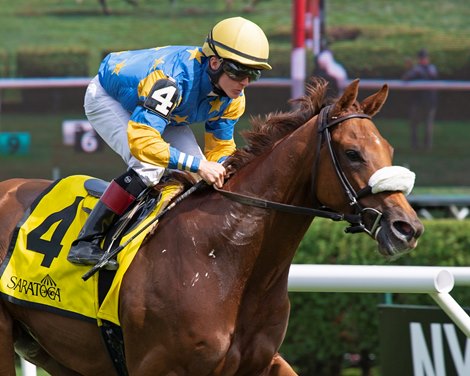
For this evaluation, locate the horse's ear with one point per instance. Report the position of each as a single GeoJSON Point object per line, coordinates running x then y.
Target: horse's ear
{"type": "Point", "coordinates": [347, 99]}
{"type": "Point", "coordinates": [371, 105]}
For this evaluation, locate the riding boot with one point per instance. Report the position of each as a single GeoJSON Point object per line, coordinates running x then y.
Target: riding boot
{"type": "Point", "coordinates": [120, 194]}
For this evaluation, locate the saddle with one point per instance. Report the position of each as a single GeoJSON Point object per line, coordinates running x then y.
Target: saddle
{"type": "Point", "coordinates": [36, 272]}
{"type": "Point", "coordinates": [142, 206]}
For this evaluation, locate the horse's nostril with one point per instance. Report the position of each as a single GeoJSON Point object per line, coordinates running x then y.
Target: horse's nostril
{"type": "Point", "coordinates": [405, 229]}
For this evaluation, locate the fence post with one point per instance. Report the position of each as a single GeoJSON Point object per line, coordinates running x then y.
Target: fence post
{"type": "Point", "coordinates": [27, 368]}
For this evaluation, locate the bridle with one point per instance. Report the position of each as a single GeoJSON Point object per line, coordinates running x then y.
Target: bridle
{"type": "Point", "coordinates": [353, 196]}
{"type": "Point", "coordinates": [356, 219]}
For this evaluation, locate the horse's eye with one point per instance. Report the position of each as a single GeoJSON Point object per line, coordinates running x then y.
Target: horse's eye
{"type": "Point", "coordinates": [353, 156]}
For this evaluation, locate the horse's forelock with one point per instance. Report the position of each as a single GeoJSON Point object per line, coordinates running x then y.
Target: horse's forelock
{"type": "Point", "coordinates": [269, 129]}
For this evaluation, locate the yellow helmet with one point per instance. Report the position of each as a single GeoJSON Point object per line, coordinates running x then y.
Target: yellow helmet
{"type": "Point", "coordinates": [240, 40]}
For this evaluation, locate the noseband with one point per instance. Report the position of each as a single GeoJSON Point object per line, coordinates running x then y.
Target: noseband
{"type": "Point", "coordinates": [356, 218]}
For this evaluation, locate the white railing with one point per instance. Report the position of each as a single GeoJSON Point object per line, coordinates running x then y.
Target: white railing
{"type": "Point", "coordinates": [435, 281]}
{"type": "Point", "coordinates": [27, 368]}
{"type": "Point", "coordinates": [296, 86]}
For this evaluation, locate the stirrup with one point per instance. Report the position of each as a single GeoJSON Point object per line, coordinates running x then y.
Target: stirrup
{"type": "Point", "coordinates": [88, 253]}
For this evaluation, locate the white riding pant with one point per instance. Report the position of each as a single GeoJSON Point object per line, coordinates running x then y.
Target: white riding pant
{"type": "Point", "coordinates": [110, 119]}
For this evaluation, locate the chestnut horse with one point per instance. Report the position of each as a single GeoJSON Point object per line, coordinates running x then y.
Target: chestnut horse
{"type": "Point", "coordinates": [207, 293]}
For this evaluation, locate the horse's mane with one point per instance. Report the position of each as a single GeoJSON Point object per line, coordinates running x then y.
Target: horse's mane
{"type": "Point", "coordinates": [269, 129]}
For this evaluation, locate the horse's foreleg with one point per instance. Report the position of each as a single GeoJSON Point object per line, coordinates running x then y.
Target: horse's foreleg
{"type": "Point", "coordinates": [279, 367]}
{"type": "Point", "coordinates": [7, 351]}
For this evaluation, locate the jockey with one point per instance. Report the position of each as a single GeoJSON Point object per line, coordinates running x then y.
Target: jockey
{"type": "Point", "coordinates": [142, 103]}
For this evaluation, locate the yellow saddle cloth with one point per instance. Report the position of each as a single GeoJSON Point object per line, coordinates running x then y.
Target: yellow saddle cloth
{"type": "Point", "coordinates": [36, 271]}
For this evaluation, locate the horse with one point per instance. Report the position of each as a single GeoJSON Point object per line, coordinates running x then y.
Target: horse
{"type": "Point", "coordinates": [207, 292]}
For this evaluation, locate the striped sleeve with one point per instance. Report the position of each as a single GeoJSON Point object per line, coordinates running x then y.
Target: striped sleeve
{"type": "Point", "coordinates": [147, 145]}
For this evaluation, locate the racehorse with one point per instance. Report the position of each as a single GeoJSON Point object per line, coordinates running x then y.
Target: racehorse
{"type": "Point", "coordinates": [207, 293]}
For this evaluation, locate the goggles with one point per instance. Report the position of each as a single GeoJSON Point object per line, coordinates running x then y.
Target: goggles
{"type": "Point", "coordinates": [239, 72]}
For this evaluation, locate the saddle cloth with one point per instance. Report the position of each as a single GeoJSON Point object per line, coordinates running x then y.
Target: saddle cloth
{"type": "Point", "coordinates": [36, 271]}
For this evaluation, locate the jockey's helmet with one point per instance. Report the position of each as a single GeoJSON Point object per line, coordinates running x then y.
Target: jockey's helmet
{"type": "Point", "coordinates": [239, 40]}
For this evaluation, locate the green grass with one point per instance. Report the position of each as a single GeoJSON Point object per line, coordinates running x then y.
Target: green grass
{"type": "Point", "coordinates": [392, 25]}
{"type": "Point", "coordinates": [46, 23]}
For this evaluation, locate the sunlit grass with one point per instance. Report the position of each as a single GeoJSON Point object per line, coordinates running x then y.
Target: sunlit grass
{"type": "Point", "coordinates": [391, 24]}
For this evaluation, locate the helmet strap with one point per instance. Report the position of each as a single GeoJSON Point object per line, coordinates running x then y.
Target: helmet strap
{"type": "Point", "coordinates": [210, 42]}
{"type": "Point", "coordinates": [214, 75]}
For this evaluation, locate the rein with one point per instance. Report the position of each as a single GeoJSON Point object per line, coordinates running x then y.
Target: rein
{"type": "Point", "coordinates": [355, 220]}
{"type": "Point", "coordinates": [266, 204]}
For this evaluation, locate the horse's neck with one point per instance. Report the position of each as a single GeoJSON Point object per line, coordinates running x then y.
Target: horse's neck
{"type": "Point", "coordinates": [251, 247]}
{"type": "Point", "coordinates": [283, 175]}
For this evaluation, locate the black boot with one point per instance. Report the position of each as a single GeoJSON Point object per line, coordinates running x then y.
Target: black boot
{"type": "Point", "coordinates": [119, 195]}
{"type": "Point", "coordinates": [86, 250]}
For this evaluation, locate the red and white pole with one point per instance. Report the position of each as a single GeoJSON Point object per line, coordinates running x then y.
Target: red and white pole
{"type": "Point", "coordinates": [316, 26]}
{"type": "Point", "coordinates": [298, 63]}
{"type": "Point", "coordinates": [309, 24]}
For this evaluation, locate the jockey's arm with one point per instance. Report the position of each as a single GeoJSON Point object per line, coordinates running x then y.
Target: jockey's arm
{"type": "Point", "coordinates": [218, 140]}
{"type": "Point", "coordinates": [144, 134]}
{"type": "Point", "coordinates": [149, 120]}
{"type": "Point", "coordinates": [147, 145]}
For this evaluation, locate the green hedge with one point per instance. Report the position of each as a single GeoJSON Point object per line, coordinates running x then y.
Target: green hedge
{"type": "Point", "coordinates": [52, 62]}
{"type": "Point", "coordinates": [361, 58]}
{"type": "Point", "coordinates": [324, 326]}
{"type": "Point", "coordinates": [452, 63]}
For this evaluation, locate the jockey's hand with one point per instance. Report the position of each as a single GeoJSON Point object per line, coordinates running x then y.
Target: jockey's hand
{"type": "Point", "coordinates": [212, 172]}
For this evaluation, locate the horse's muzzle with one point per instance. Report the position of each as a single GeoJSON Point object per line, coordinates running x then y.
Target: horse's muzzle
{"type": "Point", "coordinates": [396, 238]}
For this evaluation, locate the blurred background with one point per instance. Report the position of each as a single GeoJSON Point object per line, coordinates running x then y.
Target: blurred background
{"type": "Point", "coordinates": [370, 39]}
{"type": "Point", "coordinates": [44, 133]}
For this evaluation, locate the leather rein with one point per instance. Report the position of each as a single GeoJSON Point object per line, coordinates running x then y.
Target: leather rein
{"type": "Point", "coordinates": [355, 220]}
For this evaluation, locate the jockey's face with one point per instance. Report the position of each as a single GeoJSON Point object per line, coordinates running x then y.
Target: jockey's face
{"type": "Point", "coordinates": [232, 87]}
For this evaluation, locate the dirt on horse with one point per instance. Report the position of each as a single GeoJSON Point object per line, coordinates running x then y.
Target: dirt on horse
{"type": "Point", "coordinates": [207, 293]}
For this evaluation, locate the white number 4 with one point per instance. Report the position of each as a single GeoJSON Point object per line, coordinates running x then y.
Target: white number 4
{"type": "Point", "coordinates": [164, 97]}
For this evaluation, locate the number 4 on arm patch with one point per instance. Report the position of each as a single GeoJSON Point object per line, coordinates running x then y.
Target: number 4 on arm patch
{"type": "Point", "coordinates": [163, 98]}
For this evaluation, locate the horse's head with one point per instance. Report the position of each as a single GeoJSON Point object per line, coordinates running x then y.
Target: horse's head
{"type": "Point", "coordinates": [357, 161]}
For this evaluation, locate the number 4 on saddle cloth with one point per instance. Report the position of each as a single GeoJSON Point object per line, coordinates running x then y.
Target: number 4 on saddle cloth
{"type": "Point", "coordinates": [36, 271]}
